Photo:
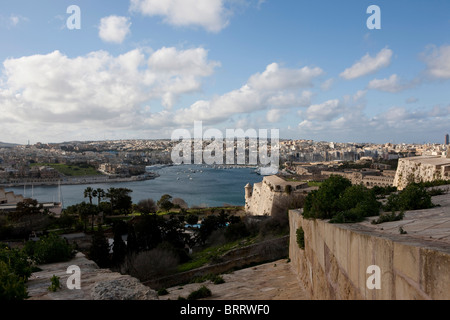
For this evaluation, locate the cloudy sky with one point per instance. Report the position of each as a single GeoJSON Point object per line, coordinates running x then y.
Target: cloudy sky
{"type": "Point", "coordinates": [143, 68]}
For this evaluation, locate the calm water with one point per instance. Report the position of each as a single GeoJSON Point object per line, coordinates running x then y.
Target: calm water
{"type": "Point", "coordinates": [197, 185]}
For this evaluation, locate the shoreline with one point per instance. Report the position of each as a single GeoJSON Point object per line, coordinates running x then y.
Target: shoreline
{"type": "Point", "coordinates": [79, 180]}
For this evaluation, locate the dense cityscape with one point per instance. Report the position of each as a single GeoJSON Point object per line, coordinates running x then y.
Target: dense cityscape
{"type": "Point", "coordinates": [235, 150]}
{"type": "Point", "coordinates": [126, 158]}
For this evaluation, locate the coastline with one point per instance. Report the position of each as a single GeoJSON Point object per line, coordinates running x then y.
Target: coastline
{"type": "Point", "coordinates": [80, 180]}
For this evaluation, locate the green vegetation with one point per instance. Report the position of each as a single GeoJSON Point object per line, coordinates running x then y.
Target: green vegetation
{"type": "Point", "coordinates": [71, 170]}
{"type": "Point", "coordinates": [49, 249]}
{"type": "Point", "coordinates": [413, 197]}
{"type": "Point", "coordinates": [314, 183]}
{"type": "Point", "coordinates": [15, 269]}
{"type": "Point", "coordinates": [300, 238]}
{"type": "Point", "coordinates": [213, 253]}
{"type": "Point", "coordinates": [388, 217]}
{"type": "Point", "coordinates": [55, 284]}
{"type": "Point", "coordinates": [337, 200]}
{"type": "Point", "coordinates": [12, 286]}
{"type": "Point", "coordinates": [202, 292]}
{"type": "Point", "coordinates": [163, 292]}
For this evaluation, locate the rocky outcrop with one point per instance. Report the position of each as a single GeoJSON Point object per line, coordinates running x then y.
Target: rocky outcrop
{"type": "Point", "coordinates": [95, 284]}
{"type": "Point", "coordinates": [122, 289]}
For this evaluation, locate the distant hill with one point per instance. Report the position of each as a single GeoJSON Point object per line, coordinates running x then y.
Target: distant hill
{"type": "Point", "coordinates": [8, 145]}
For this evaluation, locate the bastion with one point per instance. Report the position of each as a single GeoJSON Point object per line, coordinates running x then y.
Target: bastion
{"type": "Point", "coordinates": [413, 265]}
{"type": "Point", "coordinates": [275, 195]}
{"type": "Point", "coordinates": [421, 169]}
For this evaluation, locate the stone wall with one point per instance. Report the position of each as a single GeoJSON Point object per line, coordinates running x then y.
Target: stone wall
{"type": "Point", "coordinates": [270, 197]}
{"type": "Point", "coordinates": [423, 168]}
{"type": "Point", "coordinates": [333, 265]}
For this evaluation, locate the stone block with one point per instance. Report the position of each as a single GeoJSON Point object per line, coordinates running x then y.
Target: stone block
{"type": "Point", "coordinates": [406, 260]}
{"type": "Point", "coordinates": [384, 258]}
{"type": "Point", "coordinates": [405, 290]}
{"type": "Point", "coordinates": [435, 274]}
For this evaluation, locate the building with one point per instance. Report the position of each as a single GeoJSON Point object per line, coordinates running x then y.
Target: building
{"type": "Point", "coordinates": [275, 195]}
{"type": "Point", "coordinates": [367, 178]}
{"type": "Point", "coordinates": [422, 169]}
{"type": "Point", "coordinates": [9, 201]}
{"type": "Point", "coordinates": [447, 139]}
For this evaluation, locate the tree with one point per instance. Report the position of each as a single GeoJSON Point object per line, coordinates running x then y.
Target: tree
{"type": "Point", "coordinates": [147, 206]}
{"type": "Point", "coordinates": [165, 203]}
{"type": "Point", "coordinates": [83, 211]}
{"type": "Point", "coordinates": [413, 197]}
{"type": "Point", "coordinates": [88, 194]}
{"type": "Point", "coordinates": [120, 200]}
{"type": "Point", "coordinates": [99, 250]}
{"type": "Point", "coordinates": [119, 250]}
{"type": "Point", "coordinates": [28, 208]}
{"type": "Point", "coordinates": [324, 203]}
{"type": "Point", "coordinates": [180, 203]}
{"type": "Point", "coordinates": [99, 193]}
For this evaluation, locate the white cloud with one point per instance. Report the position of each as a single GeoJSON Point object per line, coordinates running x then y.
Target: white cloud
{"type": "Point", "coordinates": [324, 111]}
{"type": "Point", "coordinates": [97, 91]}
{"type": "Point", "coordinates": [368, 65]}
{"type": "Point", "coordinates": [274, 115]}
{"type": "Point", "coordinates": [275, 88]}
{"type": "Point", "coordinates": [411, 100]}
{"type": "Point", "coordinates": [390, 84]}
{"type": "Point", "coordinates": [438, 62]}
{"type": "Point", "coordinates": [208, 14]}
{"type": "Point", "coordinates": [325, 86]}
{"type": "Point", "coordinates": [114, 29]}
{"type": "Point", "coordinates": [13, 20]}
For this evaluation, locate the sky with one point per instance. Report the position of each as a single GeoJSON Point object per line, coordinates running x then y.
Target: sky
{"type": "Point", "coordinates": [141, 69]}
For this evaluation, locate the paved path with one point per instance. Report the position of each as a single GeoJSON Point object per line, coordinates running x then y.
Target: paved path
{"type": "Point", "coordinates": [270, 281]}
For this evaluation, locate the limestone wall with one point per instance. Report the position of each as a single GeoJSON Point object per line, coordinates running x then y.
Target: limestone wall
{"type": "Point", "coordinates": [270, 196]}
{"type": "Point", "coordinates": [424, 168]}
{"type": "Point", "coordinates": [334, 263]}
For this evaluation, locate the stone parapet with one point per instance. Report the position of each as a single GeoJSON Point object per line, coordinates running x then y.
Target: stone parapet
{"type": "Point", "coordinates": [333, 265]}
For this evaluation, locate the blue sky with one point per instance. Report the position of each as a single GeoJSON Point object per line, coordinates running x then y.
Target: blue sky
{"type": "Point", "coordinates": [143, 68]}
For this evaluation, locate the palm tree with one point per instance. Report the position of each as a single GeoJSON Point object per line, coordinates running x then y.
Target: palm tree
{"type": "Point", "coordinates": [88, 194]}
{"type": "Point", "coordinates": [99, 193]}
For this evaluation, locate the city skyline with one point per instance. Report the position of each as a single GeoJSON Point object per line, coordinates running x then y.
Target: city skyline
{"type": "Point", "coordinates": [140, 69]}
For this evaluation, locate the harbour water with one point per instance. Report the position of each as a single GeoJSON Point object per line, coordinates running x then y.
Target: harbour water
{"type": "Point", "coordinates": [197, 185]}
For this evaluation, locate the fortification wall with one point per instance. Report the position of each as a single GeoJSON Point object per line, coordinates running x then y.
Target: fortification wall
{"type": "Point", "coordinates": [421, 169]}
{"type": "Point", "coordinates": [333, 264]}
{"type": "Point", "coordinates": [270, 196]}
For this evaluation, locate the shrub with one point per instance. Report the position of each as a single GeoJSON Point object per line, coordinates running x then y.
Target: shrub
{"type": "Point", "coordinates": [413, 197]}
{"type": "Point", "coordinates": [337, 200]}
{"type": "Point", "coordinates": [202, 292]}
{"type": "Point", "coordinates": [55, 284]}
{"type": "Point", "coordinates": [163, 292]}
{"type": "Point", "coordinates": [50, 249]}
{"type": "Point", "coordinates": [236, 231]}
{"type": "Point", "coordinates": [388, 217]}
{"type": "Point", "coordinates": [17, 261]}
{"type": "Point", "coordinates": [12, 286]}
{"type": "Point", "coordinates": [324, 202]}
{"type": "Point", "coordinates": [99, 250]}
{"type": "Point", "coordinates": [301, 238]}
